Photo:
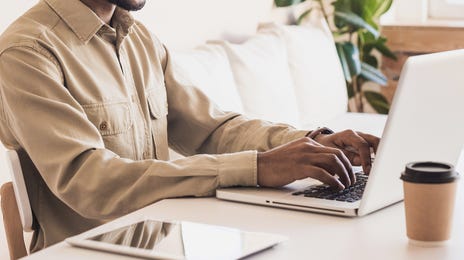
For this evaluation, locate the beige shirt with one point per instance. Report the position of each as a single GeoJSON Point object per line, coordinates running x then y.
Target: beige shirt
{"type": "Point", "coordinates": [93, 109]}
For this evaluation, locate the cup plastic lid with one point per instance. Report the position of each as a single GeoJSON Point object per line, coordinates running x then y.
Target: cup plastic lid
{"type": "Point", "coordinates": [429, 172]}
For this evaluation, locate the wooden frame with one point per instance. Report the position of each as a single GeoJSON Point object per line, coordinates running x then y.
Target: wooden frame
{"type": "Point", "coordinates": [12, 222]}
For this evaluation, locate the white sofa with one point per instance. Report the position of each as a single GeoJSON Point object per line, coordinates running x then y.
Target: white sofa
{"type": "Point", "coordinates": [286, 74]}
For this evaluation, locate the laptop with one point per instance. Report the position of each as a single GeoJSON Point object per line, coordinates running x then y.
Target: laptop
{"type": "Point", "coordinates": [425, 124]}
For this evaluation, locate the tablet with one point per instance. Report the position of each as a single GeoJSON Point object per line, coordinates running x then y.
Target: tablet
{"type": "Point", "coordinates": [177, 240]}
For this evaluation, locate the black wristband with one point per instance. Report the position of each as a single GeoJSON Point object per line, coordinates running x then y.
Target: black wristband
{"type": "Point", "coordinates": [320, 131]}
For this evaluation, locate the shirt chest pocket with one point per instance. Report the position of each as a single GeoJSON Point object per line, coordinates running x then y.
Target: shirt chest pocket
{"type": "Point", "coordinates": [115, 124]}
{"type": "Point", "coordinates": [158, 106]}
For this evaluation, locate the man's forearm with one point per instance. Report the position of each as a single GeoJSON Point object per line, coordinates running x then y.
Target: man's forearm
{"type": "Point", "coordinates": [241, 133]}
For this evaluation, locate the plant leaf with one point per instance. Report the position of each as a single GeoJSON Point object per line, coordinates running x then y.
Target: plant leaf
{"type": "Point", "coordinates": [382, 7]}
{"type": "Point", "coordinates": [356, 21]}
{"type": "Point", "coordinates": [350, 90]}
{"type": "Point", "coordinates": [342, 6]}
{"type": "Point", "coordinates": [284, 3]}
{"type": "Point", "coordinates": [381, 46]}
{"type": "Point", "coordinates": [373, 74]}
{"type": "Point", "coordinates": [371, 10]}
{"type": "Point", "coordinates": [351, 52]}
{"type": "Point", "coordinates": [370, 20]}
{"type": "Point", "coordinates": [303, 16]}
{"type": "Point", "coordinates": [371, 60]}
{"type": "Point", "coordinates": [368, 43]}
{"type": "Point", "coordinates": [367, 8]}
{"type": "Point", "coordinates": [377, 101]}
{"type": "Point", "coordinates": [341, 24]}
{"type": "Point", "coordinates": [348, 54]}
{"type": "Point", "coordinates": [344, 63]}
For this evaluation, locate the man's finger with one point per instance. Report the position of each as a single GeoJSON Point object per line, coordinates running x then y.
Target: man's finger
{"type": "Point", "coordinates": [344, 168]}
{"type": "Point", "coordinates": [346, 162]}
{"type": "Point", "coordinates": [371, 139]}
{"type": "Point", "coordinates": [323, 176]}
{"type": "Point", "coordinates": [363, 148]}
{"type": "Point", "coordinates": [330, 163]}
{"type": "Point", "coordinates": [353, 156]}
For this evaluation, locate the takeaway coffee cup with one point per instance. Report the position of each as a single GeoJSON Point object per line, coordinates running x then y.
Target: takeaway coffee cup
{"type": "Point", "coordinates": [429, 194]}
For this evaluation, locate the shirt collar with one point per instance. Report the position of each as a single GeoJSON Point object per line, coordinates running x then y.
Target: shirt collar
{"type": "Point", "coordinates": [85, 23]}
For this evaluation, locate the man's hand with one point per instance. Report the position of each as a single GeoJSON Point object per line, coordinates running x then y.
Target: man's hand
{"type": "Point", "coordinates": [301, 159]}
{"type": "Point", "coordinates": [327, 159]}
{"type": "Point", "coordinates": [355, 145]}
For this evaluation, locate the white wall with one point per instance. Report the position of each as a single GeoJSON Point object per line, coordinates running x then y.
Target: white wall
{"type": "Point", "coordinates": [446, 9]}
{"type": "Point", "coordinates": [427, 12]}
{"type": "Point", "coordinates": [182, 24]}
{"type": "Point", "coordinates": [12, 9]}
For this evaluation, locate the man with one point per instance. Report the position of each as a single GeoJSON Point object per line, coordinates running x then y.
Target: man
{"type": "Point", "coordinates": [91, 100]}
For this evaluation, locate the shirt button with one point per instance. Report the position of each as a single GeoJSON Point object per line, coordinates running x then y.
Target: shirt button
{"type": "Point", "coordinates": [103, 125]}
{"type": "Point", "coordinates": [145, 155]}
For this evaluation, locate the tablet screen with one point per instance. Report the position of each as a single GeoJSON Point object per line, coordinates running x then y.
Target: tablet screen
{"type": "Point", "coordinates": [187, 240]}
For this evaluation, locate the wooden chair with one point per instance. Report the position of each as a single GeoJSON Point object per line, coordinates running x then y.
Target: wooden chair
{"type": "Point", "coordinates": [12, 222]}
{"type": "Point", "coordinates": [16, 209]}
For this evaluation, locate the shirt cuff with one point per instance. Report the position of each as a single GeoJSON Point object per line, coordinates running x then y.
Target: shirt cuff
{"type": "Point", "coordinates": [238, 169]}
{"type": "Point", "coordinates": [294, 134]}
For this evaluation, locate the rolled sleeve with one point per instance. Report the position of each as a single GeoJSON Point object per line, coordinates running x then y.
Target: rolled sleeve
{"type": "Point", "coordinates": [238, 169]}
{"type": "Point", "coordinates": [293, 134]}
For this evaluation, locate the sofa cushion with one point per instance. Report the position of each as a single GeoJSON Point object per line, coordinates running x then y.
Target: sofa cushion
{"type": "Point", "coordinates": [208, 68]}
{"type": "Point", "coordinates": [260, 69]}
{"type": "Point", "coordinates": [320, 86]}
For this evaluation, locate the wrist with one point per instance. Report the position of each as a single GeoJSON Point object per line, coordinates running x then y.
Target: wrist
{"type": "Point", "coordinates": [320, 132]}
{"type": "Point", "coordinates": [264, 165]}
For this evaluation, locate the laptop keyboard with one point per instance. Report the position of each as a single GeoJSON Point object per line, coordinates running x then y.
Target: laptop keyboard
{"type": "Point", "coordinates": [350, 194]}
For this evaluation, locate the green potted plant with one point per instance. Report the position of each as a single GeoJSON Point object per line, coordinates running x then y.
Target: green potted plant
{"type": "Point", "coordinates": [355, 26]}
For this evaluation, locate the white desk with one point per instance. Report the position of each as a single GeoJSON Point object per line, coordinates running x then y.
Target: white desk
{"type": "Point", "coordinates": [380, 235]}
